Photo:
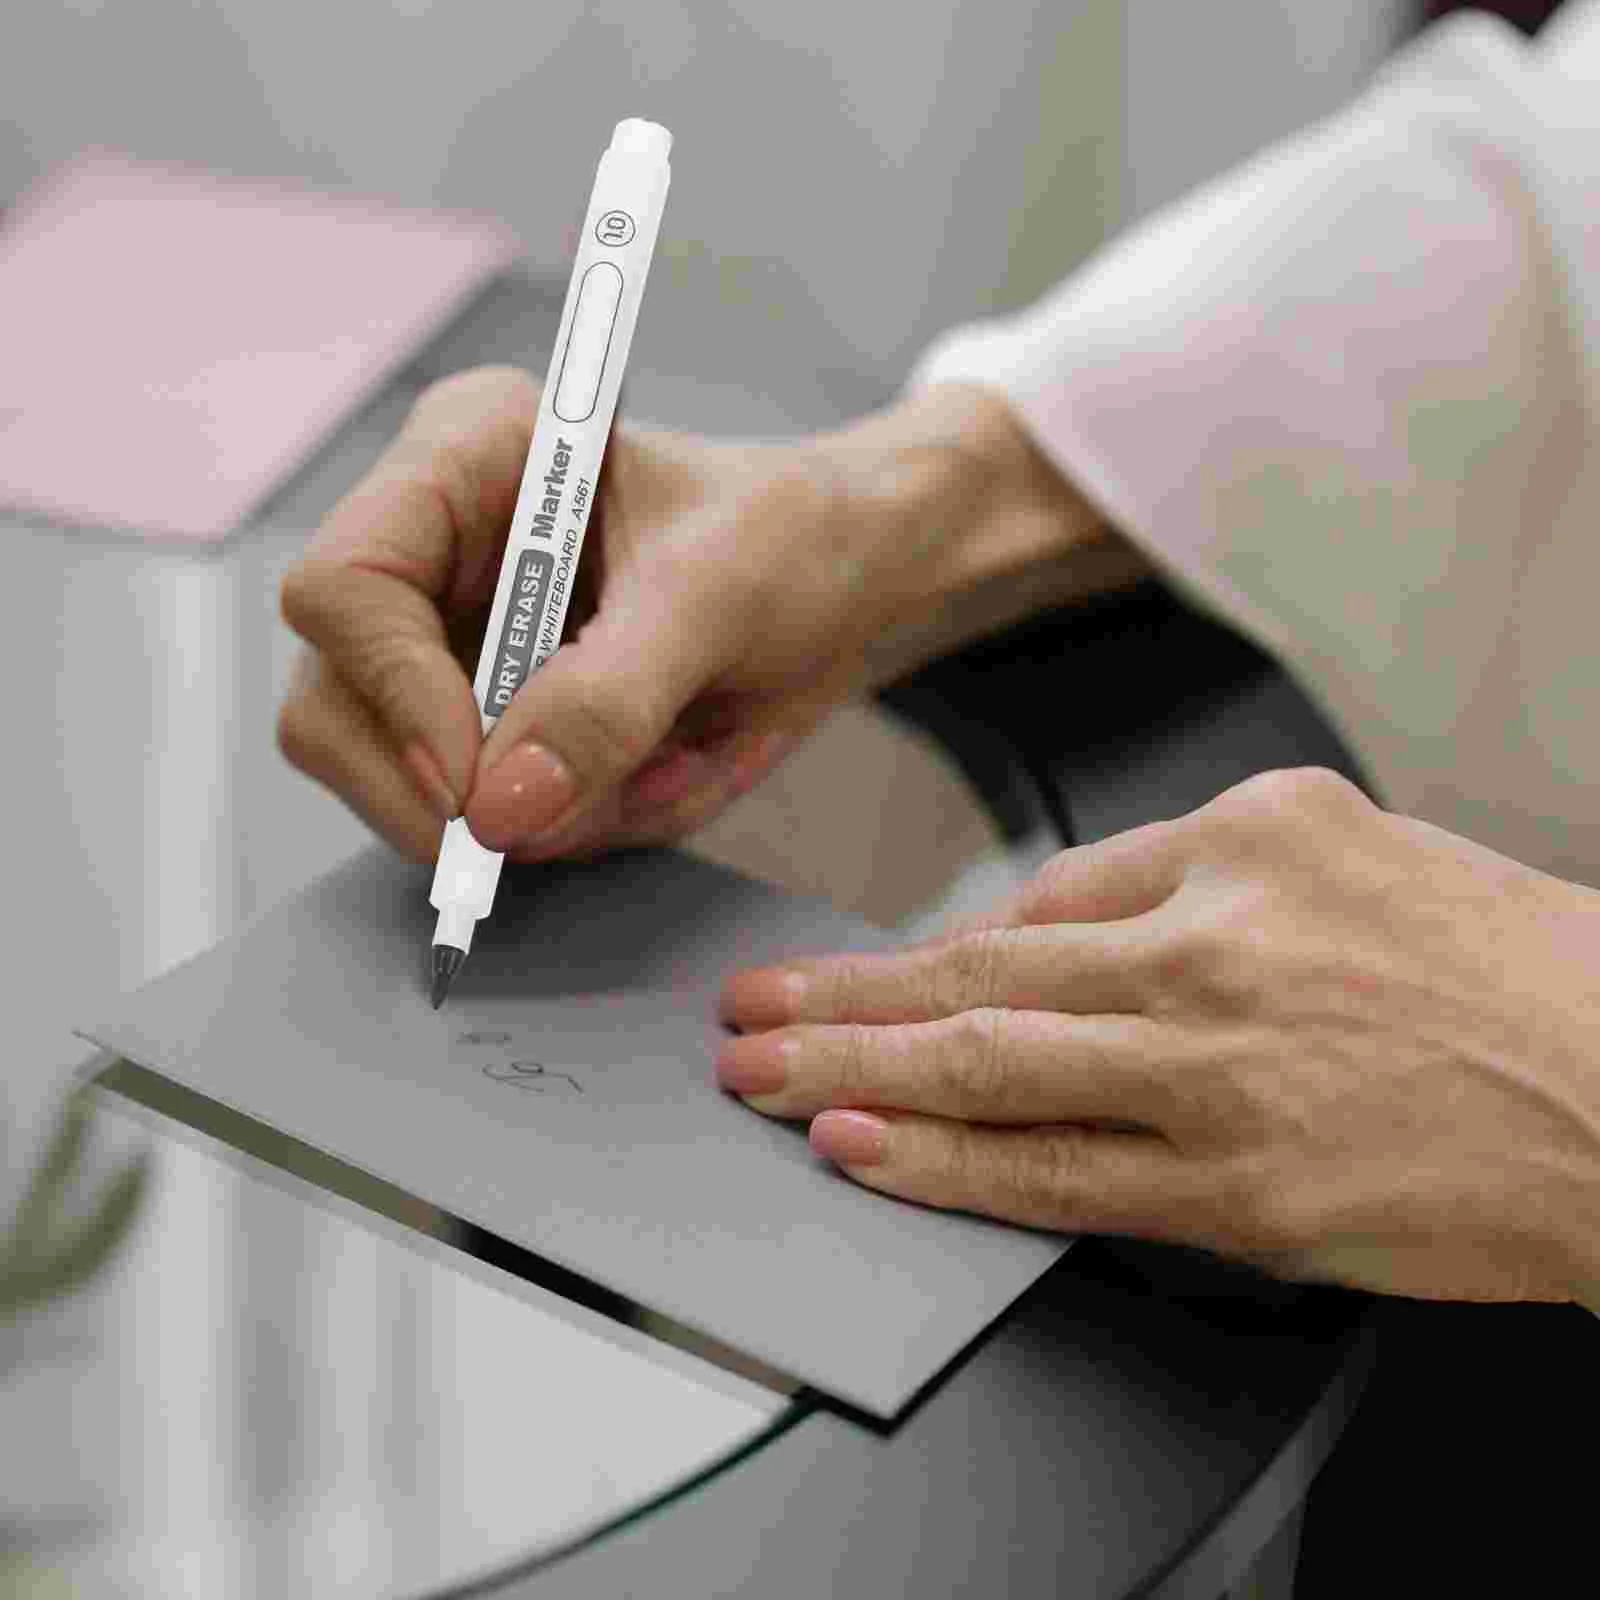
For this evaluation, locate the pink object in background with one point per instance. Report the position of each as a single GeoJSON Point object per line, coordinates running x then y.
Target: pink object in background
{"type": "Point", "coordinates": [174, 344]}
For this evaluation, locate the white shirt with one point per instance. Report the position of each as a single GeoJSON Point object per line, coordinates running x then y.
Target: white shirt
{"type": "Point", "coordinates": [1348, 398]}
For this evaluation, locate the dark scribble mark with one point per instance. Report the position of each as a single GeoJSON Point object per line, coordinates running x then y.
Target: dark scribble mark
{"type": "Point", "coordinates": [523, 1073]}
{"type": "Point", "coordinates": [531, 1075]}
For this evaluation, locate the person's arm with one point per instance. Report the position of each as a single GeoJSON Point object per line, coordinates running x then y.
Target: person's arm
{"type": "Point", "coordinates": [951, 468]}
{"type": "Point", "coordinates": [1347, 390]}
{"type": "Point", "coordinates": [1346, 397]}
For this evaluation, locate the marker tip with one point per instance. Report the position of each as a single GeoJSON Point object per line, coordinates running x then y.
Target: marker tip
{"type": "Point", "coordinates": [446, 964]}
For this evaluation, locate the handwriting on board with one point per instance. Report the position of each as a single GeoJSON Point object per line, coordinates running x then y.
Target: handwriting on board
{"type": "Point", "coordinates": [503, 1056]}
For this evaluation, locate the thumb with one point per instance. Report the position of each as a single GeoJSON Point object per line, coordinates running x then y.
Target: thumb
{"type": "Point", "coordinates": [592, 715]}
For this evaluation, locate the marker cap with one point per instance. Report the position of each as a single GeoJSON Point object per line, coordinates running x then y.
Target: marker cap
{"type": "Point", "coordinates": [634, 136]}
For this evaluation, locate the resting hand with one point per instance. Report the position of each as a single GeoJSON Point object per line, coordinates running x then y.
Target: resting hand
{"type": "Point", "coordinates": [1289, 1027]}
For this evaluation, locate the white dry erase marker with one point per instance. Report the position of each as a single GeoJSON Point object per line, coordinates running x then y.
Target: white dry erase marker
{"type": "Point", "coordinates": [553, 504]}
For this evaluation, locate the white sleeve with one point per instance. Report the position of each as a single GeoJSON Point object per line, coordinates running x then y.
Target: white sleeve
{"type": "Point", "coordinates": [1347, 397]}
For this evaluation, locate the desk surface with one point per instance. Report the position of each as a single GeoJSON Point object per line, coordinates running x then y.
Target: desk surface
{"type": "Point", "coordinates": [225, 1369]}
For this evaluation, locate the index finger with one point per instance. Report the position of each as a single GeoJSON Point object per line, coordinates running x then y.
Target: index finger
{"type": "Point", "coordinates": [416, 542]}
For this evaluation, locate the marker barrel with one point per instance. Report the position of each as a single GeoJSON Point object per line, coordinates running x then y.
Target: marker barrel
{"type": "Point", "coordinates": [559, 481]}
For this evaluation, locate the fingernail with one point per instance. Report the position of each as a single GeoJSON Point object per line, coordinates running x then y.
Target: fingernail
{"type": "Point", "coordinates": [428, 775]}
{"type": "Point", "coordinates": [852, 1138]}
{"type": "Point", "coordinates": [526, 791]}
{"type": "Point", "coordinates": [753, 1066]}
{"type": "Point", "coordinates": [764, 998]}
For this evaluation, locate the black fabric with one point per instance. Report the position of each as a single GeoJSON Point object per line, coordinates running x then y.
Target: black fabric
{"type": "Point", "coordinates": [1529, 15]}
{"type": "Point", "coordinates": [1019, 709]}
{"type": "Point", "coordinates": [1472, 1464]}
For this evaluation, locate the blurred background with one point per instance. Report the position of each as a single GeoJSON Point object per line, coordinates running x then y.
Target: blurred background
{"type": "Point", "coordinates": [874, 172]}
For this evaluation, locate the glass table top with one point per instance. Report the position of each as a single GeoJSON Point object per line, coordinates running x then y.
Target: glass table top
{"type": "Point", "coordinates": [273, 1389]}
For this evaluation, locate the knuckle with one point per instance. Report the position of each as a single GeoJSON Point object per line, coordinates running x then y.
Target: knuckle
{"type": "Point", "coordinates": [965, 1174]}
{"type": "Point", "coordinates": [846, 988]}
{"type": "Point", "coordinates": [968, 973]}
{"type": "Point", "coordinates": [440, 397]}
{"type": "Point", "coordinates": [852, 1068]}
{"type": "Point", "coordinates": [306, 742]}
{"type": "Point", "coordinates": [454, 476]}
{"type": "Point", "coordinates": [1041, 897]}
{"type": "Point", "coordinates": [300, 594]}
{"type": "Point", "coordinates": [1048, 1177]}
{"type": "Point", "coordinates": [1181, 964]}
{"type": "Point", "coordinates": [472, 387]}
{"type": "Point", "coordinates": [621, 729]}
{"type": "Point", "coordinates": [971, 1074]}
{"type": "Point", "coordinates": [1288, 794]}
{"type": "Point", "coordinates": [1216, 963]}
{"type": "Point", "coordinates": [441, 444]}
{"type": "Point", "coordinates": [386, 670]}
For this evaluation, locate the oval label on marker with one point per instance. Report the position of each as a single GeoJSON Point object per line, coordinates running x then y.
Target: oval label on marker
{"type": "Point", "coordinates": [588, 342]}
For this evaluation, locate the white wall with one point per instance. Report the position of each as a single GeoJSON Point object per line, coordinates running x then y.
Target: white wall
{"type": "Point", "coordinates": [1210, 84]}
{"type": "Point", "coordinates": [854, 172]}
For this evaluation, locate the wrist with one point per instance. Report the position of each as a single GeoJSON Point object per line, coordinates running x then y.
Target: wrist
{"type": "Point", "coordinates": [975, 526]}
{"type": "Point", "coordinates": [953, 460]}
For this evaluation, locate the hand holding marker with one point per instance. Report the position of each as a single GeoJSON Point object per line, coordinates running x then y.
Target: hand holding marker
{"type": "Point", "coordinates": [557, 492]}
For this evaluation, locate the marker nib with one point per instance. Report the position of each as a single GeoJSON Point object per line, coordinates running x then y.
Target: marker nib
{"type": "Point", "coordinates": [446, 964]}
